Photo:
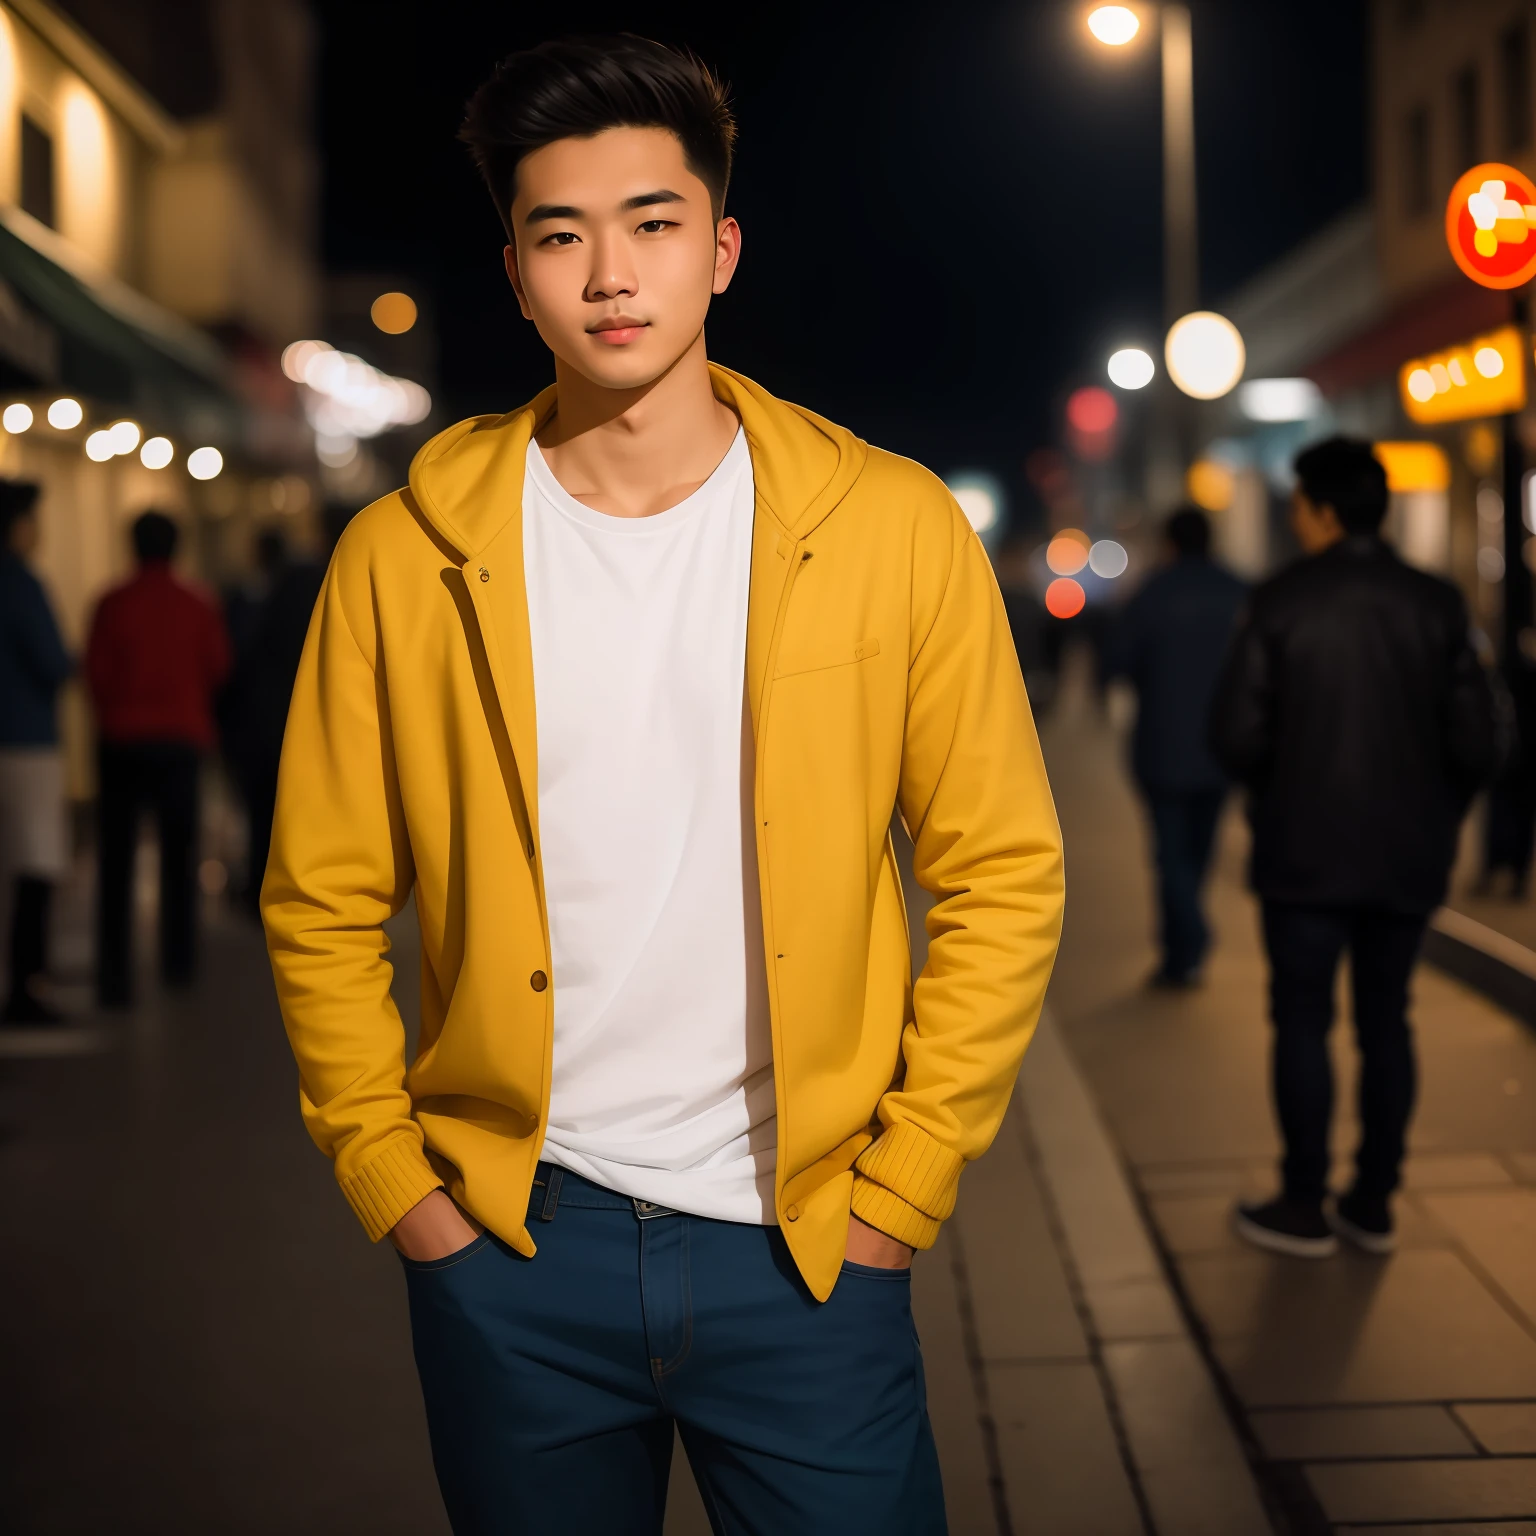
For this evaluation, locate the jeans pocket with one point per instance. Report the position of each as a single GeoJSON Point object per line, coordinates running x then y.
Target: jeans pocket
{"type": "Point", "coordinates": [875, 1272]}
{"type": "Point", "coordinates": [448, 1260]}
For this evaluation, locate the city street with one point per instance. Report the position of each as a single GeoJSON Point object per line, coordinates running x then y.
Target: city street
{"type": "Point", "coordinates": [199, 1338]}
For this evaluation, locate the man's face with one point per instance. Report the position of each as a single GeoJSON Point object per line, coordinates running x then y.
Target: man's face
{"type": "Point", "coordinates": [1315, 527]}
{"type": "Point", "coordinates": [617, 253]}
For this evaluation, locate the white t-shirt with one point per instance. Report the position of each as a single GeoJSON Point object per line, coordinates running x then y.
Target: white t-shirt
{"type": "Point", "coordinates": [663, 1062]}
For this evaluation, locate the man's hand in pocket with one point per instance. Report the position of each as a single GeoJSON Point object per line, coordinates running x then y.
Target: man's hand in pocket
{"type": "Point", "coordinates": [432, 1229]}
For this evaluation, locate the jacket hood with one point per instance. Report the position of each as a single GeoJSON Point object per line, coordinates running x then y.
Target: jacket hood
{"type": "Point", "coordinates": [468, 480]}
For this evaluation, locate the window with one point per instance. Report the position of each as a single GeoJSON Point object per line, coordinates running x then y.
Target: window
{"type": "Point", "coordinates": [1466, 112]}
{"type": "Point", "coordinates": [1416, 196]}
{"type": "Point", "coordinates": [1515, 68]}
{"type": "Point", "coordinates": [36, 171]}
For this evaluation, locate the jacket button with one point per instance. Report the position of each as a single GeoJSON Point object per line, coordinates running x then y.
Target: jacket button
{"type": "Point", "coordinates": [792, 1213]}
{"type": "Point", "coordinates": [538, 981]}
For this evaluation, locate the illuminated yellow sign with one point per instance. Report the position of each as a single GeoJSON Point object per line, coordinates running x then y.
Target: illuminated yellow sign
{"type": "Point", "coordinates": [1485, 377]}
{"type": "Point", "coordinates": [1414, 466]}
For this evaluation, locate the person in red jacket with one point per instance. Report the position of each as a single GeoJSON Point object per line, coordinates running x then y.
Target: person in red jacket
{"type": "Point", "coordinates": [157, 654]}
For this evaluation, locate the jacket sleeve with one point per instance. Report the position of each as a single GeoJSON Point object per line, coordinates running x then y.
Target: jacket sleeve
{"type": "Point", "coordinates": [974, 795]}
{"type": "Point", "coordinates": [1241, 720]}
{"type": "Point", "coordinates": [340, 866]}
{"type": "Point", "coordinates": [38, 638]}
{"type": "Point", "coordinates": [1471, 736]}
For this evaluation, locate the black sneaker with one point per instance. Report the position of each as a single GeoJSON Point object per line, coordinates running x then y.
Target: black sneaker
{"type": "Point", "coordinates": [1365, 1222]}
{"type": "Point", "coordinates": [1294, 1227]}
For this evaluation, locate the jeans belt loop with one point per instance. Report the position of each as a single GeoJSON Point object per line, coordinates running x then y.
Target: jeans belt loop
{"type": "Point", "coordinates": [551, 1194]}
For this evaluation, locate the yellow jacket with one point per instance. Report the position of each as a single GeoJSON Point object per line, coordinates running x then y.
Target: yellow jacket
{"type": "Point", "coordinates": [880, 674]}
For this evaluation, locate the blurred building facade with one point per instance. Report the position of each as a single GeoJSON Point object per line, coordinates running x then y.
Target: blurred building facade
{"type": "Point", "coordinates": [1452, 85]}
{"type": "Point", "coordinates": [158, 249]}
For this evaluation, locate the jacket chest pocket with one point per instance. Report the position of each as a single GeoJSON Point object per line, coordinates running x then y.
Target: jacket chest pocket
{"type": "Point", "coordinates": [824, 658]}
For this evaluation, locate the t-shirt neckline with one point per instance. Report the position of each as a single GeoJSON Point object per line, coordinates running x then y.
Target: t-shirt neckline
{"type": "Point", "coordinates": [562, 501]}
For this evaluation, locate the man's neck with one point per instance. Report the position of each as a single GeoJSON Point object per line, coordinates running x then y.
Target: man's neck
{"type": "Point", "coordinates": [633, 453]}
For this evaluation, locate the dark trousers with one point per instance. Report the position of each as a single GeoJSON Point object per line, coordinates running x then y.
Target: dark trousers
{"type": "Point", "coordinates": [29, 932]}
{"type": "Point", "coordinates": [146, 776]}
{"type": "Point", "coordinates": [552, 1384]}
{"type": "Point", "coordinates": [1183, 834]}
{"type": "Point", "coordinates": [1305, 944]}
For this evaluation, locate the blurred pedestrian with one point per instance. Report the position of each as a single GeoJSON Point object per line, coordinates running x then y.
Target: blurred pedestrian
{"type": "Point", "coordinates": [156, 655]}
{"type": "Point", "coordinates": [1168, 644]}
{"type": "Point", "coordinates": [33, 667]}
{"type": "Point", "coordinates": [1354, 708]}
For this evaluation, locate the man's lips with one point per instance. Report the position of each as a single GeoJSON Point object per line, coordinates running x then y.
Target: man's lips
{"type": "Point", "coordinates": [617, 332]}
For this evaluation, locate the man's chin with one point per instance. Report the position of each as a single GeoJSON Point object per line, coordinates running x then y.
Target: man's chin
{"type": "Point", "coordinates": [635, 366]}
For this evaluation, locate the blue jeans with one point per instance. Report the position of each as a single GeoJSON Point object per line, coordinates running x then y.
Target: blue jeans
{"type": "Point", "coordinates": [1183, 830]}
{"type": "Point", "coordinates": [552, 1384]}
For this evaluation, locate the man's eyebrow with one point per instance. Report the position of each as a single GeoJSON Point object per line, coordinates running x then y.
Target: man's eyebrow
{"type": "Point", "coordinates": [651, 199]}
{"type": "Point", "coordinates": [551, 211]}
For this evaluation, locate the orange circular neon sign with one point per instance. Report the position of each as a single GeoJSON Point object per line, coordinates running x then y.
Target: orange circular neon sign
{"type": "Point", "coordinates": [1490, 225]}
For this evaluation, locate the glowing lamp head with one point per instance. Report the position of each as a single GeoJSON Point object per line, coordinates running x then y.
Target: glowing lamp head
{"type": "Point", "coordinates": [125, 436]}
{"type": "Point", "coordinates": [204, 463]}
{"type": "Point", "coordinates": [65, 414]}
{"type": "Point", "coordinates": [1114, 25]}
{"type": "Point", "coordinates": [1205, 355]}
{"type": "Point", "coordinates": [98, 446]}
{"type": "Point", "coordinates": [156, 453]}
{"type": "Point", "coordinates": [16, 418]}
{"type": "Point", "coordinates": [1131, 368]}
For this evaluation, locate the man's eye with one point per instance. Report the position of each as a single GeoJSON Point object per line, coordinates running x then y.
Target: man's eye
{"type": "Point", "coordinates": [654, 226]}
{"type": "Point", "coordinates": [560, 237]}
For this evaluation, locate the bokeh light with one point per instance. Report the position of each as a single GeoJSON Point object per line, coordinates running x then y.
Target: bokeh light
{"type": "Point", "coordinates": [393, 313]}
{"type": "Point", "coordinates": [1067, 553]}
{"type": "Point", "coordinates": [17, 418]}
{"type": "Point", "coordinates": [156, 453]}
{"type": "Point", "coordinates": [1064, 598]}
{"type": "Point", "coordinates": [1108, 559]}
{"type": "Point", "coordinates": [1115, 25]}
{"type": "Point", "coordinates": [1488, 361]}
{"type": "Point", "coordinates": [98, 446]}
{"type": "Point", "coordinates": [204, 463]}
{"type": "Point", "coordinates": [125, 436]}
{"type": "Point", "coordinates": [980, 496]}
{"type": "Point", "coordinates": [1131, 368]}
{"type": "Point", "coordinates": [1092, 411]}
{"type": "Point", "coordinates": [65, 413]}
{"type": "Point", "coordinates": [1280, 399]}
{"type": "Point", "coordinates": [1205, 355]}
{"type": "Point", "coordinates": [1210, 485]}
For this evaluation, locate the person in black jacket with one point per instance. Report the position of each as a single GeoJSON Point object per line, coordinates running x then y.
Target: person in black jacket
{"type": "Point", "coordinates": [1353, 708]}
{"type": "Point", "coordinates": [1169, 643]}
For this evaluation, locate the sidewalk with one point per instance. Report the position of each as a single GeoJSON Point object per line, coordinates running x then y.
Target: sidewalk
{"type": "Point", "coordinates": [1392, 1395]}
{"type": "Point", "coordinates": [197, 1337]}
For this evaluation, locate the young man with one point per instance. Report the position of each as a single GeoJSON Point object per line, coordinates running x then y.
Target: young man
{"type": "Point", "coordinates": [1168, 644]}
{"type": "Point", "coordinates": [1353, 708]}
{"type": "Point", "coordinates": [627, 686]}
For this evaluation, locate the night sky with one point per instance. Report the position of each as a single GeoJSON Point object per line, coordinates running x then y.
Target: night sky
{"type": "Point", "coordinates": [951, 213]}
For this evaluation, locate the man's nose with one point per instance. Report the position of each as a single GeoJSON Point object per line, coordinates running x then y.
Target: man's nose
{"type": "Point", "coordinates": [613, 273]}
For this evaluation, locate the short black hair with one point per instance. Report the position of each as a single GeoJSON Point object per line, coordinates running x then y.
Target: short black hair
{"type": "Point", "coordinates": [575, 87]}
{"type": "Point", "coordinates": [154, 536]}
{"type": "Point", "coordinates": [1189, 531]}
{"type": "Point", "coordinates": [1345, 474]}
{"type": "Point", "coordinates": [18, 499]}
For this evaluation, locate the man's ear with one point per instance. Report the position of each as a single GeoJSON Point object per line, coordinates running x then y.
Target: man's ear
{"type": "Point", "coordinates": [727, 253]}
{"type": "Point", "coordinates": [509, 257]}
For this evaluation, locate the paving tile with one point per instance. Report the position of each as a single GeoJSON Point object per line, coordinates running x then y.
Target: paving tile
{"type": "Point", "coordinates": [1524, 1164]}
{"type": "Point", "coordinates": [952, 1402]}
{"type": "Point", "coordinates": [1454, 1170]}
{"type": "Point", "coordinates": [1483, 1489]}
{"type": "Point", "coordinates": [1419, 1327]}
{"type": "Point", "coordinates": [1061, 1465]}
{"type": "Point", "coordinates": [1439, 1528]}
{"type": "Point", "coordinates": [1137, 1309]}
{"type": "Point", "coordinates": [1192, 1469]}
{"type": "Point", "coordinates": [1193, 1179]}
{"type": "Point", "coordinates": [1505, 1429]}
{"type": "Point", "coordinates": [685, 1509]}
{"type": "Point", "coordinates": [1319, 1434]}
{"type": "Point", "coordinates": [1498, 1228]}
{"type": "Point", "coordinates": [1024, 1309]}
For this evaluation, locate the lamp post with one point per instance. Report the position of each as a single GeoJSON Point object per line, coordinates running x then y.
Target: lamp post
{"type": "Point", "coordinates": [1115, 26]}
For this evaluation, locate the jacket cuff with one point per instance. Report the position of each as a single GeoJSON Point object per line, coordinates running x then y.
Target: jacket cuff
{"type": "Point", "coordinates": [905, 1184]}
{"type": "Point", "coordinates": [397, 1177]}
